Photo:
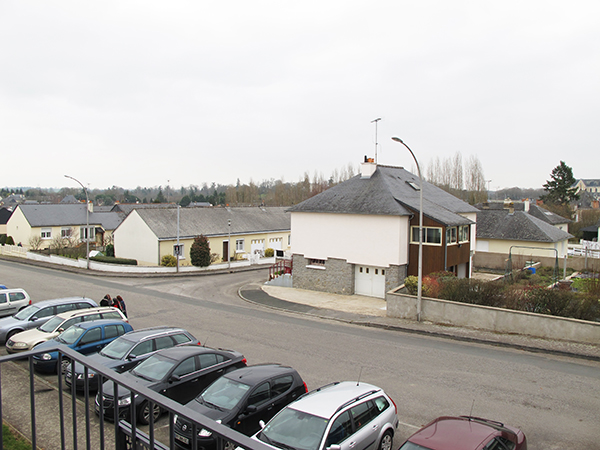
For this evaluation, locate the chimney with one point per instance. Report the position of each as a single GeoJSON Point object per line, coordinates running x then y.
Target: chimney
{"type": "Point", "coordinates": [90, 206]}
{"type": "Point", "coordinates": [367, 168]}
{"type": "Point", "coordinates": [526, 204]}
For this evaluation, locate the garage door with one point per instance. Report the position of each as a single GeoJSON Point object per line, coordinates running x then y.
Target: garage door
{"type": "Point", "coordinates": [370, 281]}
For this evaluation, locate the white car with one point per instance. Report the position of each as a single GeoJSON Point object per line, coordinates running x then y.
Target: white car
{"type": "Point", "coordinates": [12, 301]}
{"type": "Point", "coordinates": [26, 340]}
{"type": "Point", "coordinates": [340, 416]}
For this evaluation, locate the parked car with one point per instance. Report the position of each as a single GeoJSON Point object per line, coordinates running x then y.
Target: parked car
{"type": "Point", "coordinates": [26, 340]}
{"type": "Point", "coordinates": [37, 313]}
{"type": "Point", "coordinates": [12, 301]}
{"type": "Point", "coordinates": [179, 373]}
{"type": "Point", "coordinates": [339, 416]}
{"type": "Point", "coordinates": [84, 337]}
{"type": "Point", "coordinates": [466, 433]}
{"type": "Point", "coordinates": [129, 350]}
{"type": "Point", "coordinates": [240, 399]}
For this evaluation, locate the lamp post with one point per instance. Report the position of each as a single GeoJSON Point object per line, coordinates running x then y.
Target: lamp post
{"type": "Point", "coordinates": [87, 221]}
{"type": "Point", "coordinates": [420, 263]}
{"type": "Point", "coordinates": [229, 244]}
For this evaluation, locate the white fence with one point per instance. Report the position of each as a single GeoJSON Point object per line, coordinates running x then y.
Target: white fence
{"type": "Point", "coordinates": [13, 250]}
{"type": "Point", "coordinates": [590, 249]}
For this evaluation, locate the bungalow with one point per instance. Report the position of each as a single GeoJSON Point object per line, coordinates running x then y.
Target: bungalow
{"type": "Point", "coordinates": [148, 234]}
{"type": "Point", "coordinates": [362, 236]}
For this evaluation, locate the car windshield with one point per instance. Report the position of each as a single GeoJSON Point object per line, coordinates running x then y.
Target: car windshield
{"type": "Point", "coordinates": [70, 335]}
{"type": "Point", "coordinates": [117, 349]}
{"type": "Point", "coordinates": [294, 430]}
{"type": "Point", "coordinates": [154, 368]}
{"type": "Point", "coordinates": [25, 313]}
{"type": "Point", "coordinates": [223, 394]}
{"type": "Point", "coordinates": [51, 325]}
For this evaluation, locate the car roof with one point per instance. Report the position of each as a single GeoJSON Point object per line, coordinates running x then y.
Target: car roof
{"type": "Point", "coordinates": [253, 375]}
{"type": "Point", "coordinates": [458, 433]}
{"type": "Point", "coordinates": [60, 301]}
{"type": "Point", "coordinates": [145, 333]}
{"type": "Point", "coordinates": [94, 323]}
{"type": "Point", "coordinates": [85, 312]}
{"type": "Point", "coordinates": [184, 351]}
{"type": "Point", "coordinates": [327, 400]}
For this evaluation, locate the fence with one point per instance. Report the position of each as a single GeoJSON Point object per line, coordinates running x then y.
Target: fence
{"type": "Point", "coordinates": [64, 427]}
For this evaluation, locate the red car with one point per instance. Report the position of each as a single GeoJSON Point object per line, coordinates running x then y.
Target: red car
{"type": "Point", "coordinates": [466, 433]}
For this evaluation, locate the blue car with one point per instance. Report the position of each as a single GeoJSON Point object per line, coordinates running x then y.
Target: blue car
{"type": "Point", "coordinates": [84, 337]}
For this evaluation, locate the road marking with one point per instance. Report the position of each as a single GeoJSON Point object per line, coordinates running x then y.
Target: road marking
{"type": "Point", "coordinates": [408, 425]}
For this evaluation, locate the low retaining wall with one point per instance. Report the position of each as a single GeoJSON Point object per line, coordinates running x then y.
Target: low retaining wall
{"type": "Point", "coordinates": [12, 250]}
{"type": "Point", "coordinates": [499, 320]}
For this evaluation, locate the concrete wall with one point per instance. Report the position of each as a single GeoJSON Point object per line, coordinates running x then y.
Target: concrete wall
{"type": "Point", "coordinates": [497, 261]}
{"type": "Point", "coordinates": [492, 319]}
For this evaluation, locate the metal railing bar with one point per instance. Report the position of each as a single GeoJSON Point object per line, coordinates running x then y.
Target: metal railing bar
{"type": "Point", "coordinates": [101, 415]}
{"type": "Point", "coordinates": [61, 406]}
{"type": "Point", "coordinates": [86, 395]}
{"type": "Point", "coordinates": [32, 402]}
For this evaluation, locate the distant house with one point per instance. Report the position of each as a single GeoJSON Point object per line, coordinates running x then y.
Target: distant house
{"type": "Point", "coordinates": [362, 236]}
{"type": "Point", "coordinates": [41, 224]}
{"type": "Point", "coordinates": [148, 234]}
{"type": "Point", "coordinates": [521, 228]}
{"type": "Point", "coordinates": [5, 214]}
{"type": "Point", "coordinates": [588, 185]}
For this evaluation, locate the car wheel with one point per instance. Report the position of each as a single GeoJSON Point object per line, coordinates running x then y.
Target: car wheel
{"type": "Point", "coordinates": [386, 441]}
{"type": "Point", "coordinates": [144, 413]}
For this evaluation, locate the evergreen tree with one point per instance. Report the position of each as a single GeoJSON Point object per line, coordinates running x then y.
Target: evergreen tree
{"type": "Point", "coordinates": [200, 251]}
{"type": "Point", "coordinates": [559, 190]}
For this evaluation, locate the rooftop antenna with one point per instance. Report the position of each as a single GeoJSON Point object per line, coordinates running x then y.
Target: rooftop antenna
{"type": "Point", "coordinates": [359, 375]}
{"type": "Point", "coordinates": [376, 144]}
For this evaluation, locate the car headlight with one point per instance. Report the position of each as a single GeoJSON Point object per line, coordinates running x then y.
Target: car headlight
{"type": "Point", "coordinates": [124, 401]}
{"type": "Point", "coordinates": [90, 375]}
{"type": "Point", "coordinates": [205, 433]}
{"type": "Point", "coordinates": [20, 345]}
{"type": "Point", "coordinates": [46, 356]}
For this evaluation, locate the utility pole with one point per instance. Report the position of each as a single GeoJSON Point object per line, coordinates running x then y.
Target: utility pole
{"type": "Point", "coordinates": [376, 120]}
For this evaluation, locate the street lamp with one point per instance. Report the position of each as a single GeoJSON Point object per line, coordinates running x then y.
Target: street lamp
{"type": "Point", "coordinates": [420, 263]}
{"type": "Point", "coordinates": [229, 244]}
{"type": "Point", "coordinates": [87, 221]}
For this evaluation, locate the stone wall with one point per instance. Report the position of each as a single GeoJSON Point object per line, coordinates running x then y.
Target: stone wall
{"type": "Point", "coordinates": [336, 276]}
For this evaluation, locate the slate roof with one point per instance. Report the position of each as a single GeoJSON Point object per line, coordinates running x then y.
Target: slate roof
{"type": "Point", "coordinates": [588, 182]}
{"type": "Point", "coordinates": [517, 226]}
{"type": "Point", "coordinates": [67, 214]}
{"type": "Point", "coordinates": [534, 210]}
{"type": "Point", "coordinates": [128, 207]}
{"type": "Point", "coordinates": [388, 192]}
{"type": "Point", "coordinates": [213, 221]}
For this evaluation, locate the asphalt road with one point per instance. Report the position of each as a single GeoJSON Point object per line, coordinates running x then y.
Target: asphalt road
{"type": "Point", "coordinates": [555, 400]}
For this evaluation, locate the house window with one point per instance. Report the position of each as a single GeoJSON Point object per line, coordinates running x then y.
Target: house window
{"type": "Point", "coordinates": [46, 233]}
{"type": "Point", "coordinates": [239, 245]}
{"type": "Point", "coordinates": [451, 237]}
{"type": "Point", "coordinates": [463, 233]}
{"type": "Point", "coordinates": [316, 264]}
{"type": "Point", "coordinates": [66, 232]}
{"type": "Point", "coordinates": [431, 235]}
{"type": "Point", "coordinates": [91, 235]}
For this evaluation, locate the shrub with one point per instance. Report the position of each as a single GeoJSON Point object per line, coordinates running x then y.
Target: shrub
{"type": "Point", "coordinates": [10, 240]}
{"type": "Point", "coordinates": [113, 260]}
{"type": "Point", "coordinates": [3, 239]}
{"type": "Point", "coordinates": [168, 261]}
{"type": "Point", "coordinates": [412, 284]}
{"type": "Point", "coordinates": [269, 253]}
{"type": "Point", "coordinates": [200, 251]}
{"type": "Point", "coordinates": [110, 250]}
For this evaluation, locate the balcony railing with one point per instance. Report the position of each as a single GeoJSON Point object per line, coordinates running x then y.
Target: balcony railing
{"type": "Point", "coordinates": [71, 426]}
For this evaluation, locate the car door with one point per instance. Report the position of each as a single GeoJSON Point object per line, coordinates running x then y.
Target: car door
{"type": "Point", "coordinates": [185, 381]}
{"type": "Point", "coordinates": [90, 342]}
{"type": "Point", "coordinates": [259, 405]}
{"type": "Point", "coordinates": [4, 305]}
{"type": "Point", "coordinates": [366, 430]}
{"type": "Point", "coordinates": [40, 317]}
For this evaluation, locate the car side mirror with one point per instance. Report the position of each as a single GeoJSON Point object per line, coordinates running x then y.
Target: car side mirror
{"type": "Point", "coordinates": [251, 409]}
{"type": "Point", "coordinates": [174, 378]}
{"type": "Point", "coordinates": [262, 424]}
{"type": "Point", "coordinates": [334, 447]}
{"type": "Point", "coordinates": [33, 319]}
{"type": "Point", "coordinates": [60, 330]}
{"type": "Point", "coordinates": [131, 357]}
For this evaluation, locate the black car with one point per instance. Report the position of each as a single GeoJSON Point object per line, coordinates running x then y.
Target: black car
{"type": "Point", "coordinates": [241, 399]}
{"type": "Point", "coordinates": [128, 351]}
{"type": "Point", "coordinates": [179, 373]}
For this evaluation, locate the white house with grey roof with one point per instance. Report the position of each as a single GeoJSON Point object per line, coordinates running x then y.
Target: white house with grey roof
{"type": "Point", "coordinates": [148, 234]}
{"type": "Point", "coordinates": [521, 229]}
{"type": "Point", "coordinates": [362, 236]}
{"type": "Point", "coordinates": [41, 224]}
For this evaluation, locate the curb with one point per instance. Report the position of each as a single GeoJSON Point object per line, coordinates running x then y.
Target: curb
{"type": "Point", "coordinates": [328, 314]}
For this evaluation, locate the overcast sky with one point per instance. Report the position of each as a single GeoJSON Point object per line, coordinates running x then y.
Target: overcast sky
{"type": "Point", "coordinates": [146, 93]}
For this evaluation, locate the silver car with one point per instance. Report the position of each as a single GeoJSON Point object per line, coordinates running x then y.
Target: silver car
{"type": "Point", "coordinates": [340, 416]}
{"type": "Point", "coordinates": [13, 300]}
{"type": "Point", "coordinates": [36, 314]}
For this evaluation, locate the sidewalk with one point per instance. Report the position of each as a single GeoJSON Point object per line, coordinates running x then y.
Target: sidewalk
{"type": "Point", "coordinates": [369, 311]}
